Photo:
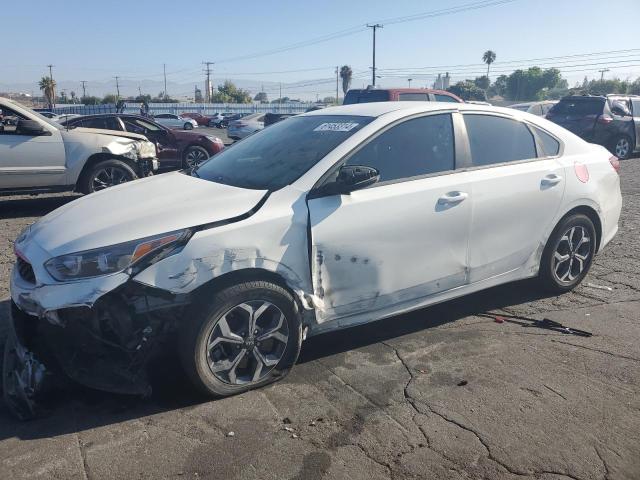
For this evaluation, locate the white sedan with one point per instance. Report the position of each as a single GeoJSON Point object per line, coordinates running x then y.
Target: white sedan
{"type": "Point", "coordinates": [175, 121]}
{"type": "Point", "coordinates": [323, 221]}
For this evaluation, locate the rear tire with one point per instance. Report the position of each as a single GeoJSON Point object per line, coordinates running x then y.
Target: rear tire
{"type": "Point", "coordinates": [621, 147]}
{"type": "Point", "coordinates": [105, 174]}
{"type": "Point", "coordinates": [568, 255]}
{"type": "Point", "coordinates": [270, 347]}
{"type": "Point", "coordinates": [188, 126]}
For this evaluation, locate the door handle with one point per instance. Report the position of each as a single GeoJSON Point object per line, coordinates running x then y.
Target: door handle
{"type": "Point", "coordinates": [551, 180]}
{"type": "Point", "coordinates": [452, 198]}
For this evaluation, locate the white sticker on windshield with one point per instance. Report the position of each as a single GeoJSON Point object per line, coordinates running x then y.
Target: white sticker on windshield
{"type": "Point", "coordinates": [336, 127]}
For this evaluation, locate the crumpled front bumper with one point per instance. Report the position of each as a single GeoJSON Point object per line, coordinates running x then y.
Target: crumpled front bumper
{"type": "Point", "coordinates": [99, 332]}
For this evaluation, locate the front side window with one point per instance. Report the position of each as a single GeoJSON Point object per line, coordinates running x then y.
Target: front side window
{"type": "Point", "coordinates": [280, 154]}
{"type": "Point", "coordinates": [498, 140]}
{"type": "Point", "coordinates": [578, 107]}
{"type": "Point", "coordinates": [416, 147]}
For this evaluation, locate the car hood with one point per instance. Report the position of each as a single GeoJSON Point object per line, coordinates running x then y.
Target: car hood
{"type": "Point", "coordinates": [139, 209]}
{"type": "Point", "coordinates": [111, 133]}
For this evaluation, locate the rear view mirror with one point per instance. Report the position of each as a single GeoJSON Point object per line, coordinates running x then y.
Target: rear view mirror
{"type": "Point", "coordinates": [30, 127]}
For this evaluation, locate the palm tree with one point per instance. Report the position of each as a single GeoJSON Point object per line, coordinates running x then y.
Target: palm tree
{"type": "Point", "coordinates": [345, 74]}
{"type": "Point", "coordinates": [489, 57]}
{"type": "Point", "coordinates": [48, 87]}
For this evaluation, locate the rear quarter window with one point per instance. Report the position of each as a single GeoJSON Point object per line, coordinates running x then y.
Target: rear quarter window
{"type": "Point", "coordinates": [413, 97]}
{"type": "Point", "coordinates": [550, 146]}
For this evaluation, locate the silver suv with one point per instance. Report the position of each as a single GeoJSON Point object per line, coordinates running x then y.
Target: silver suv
{"type": "Point", "coordinates": [38, 155]}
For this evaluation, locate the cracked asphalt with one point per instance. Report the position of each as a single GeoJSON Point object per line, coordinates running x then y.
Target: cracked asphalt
{"type": "Point", "coordinates": [441, 393]}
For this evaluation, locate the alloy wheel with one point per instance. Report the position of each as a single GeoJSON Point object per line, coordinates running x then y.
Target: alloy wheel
{"type": "Point", "coordinates": [195, 156]}
{"type": "Point", "coordinates": [572, 254]}
{"type": "Point", "coordinates": [622, 147]}
{"type": "Point", "coordinates": [247, 342]}
{"type": "Point", "coordinates": [108, 177]}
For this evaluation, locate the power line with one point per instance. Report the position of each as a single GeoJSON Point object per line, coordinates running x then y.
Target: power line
{"type": "Point", "coordinates": [360, 28]}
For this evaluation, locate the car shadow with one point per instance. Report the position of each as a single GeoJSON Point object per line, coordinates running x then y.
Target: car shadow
{"type": "Point", "coordinates": [172, 390]}
{"type": "Point", "coordinates": [32, 206]}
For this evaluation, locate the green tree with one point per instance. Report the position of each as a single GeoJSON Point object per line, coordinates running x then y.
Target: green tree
{"type": "Point", "coordinates": [329, 100]}
{"type": "Point", "coordinates": [346, 74]}
{"type": "Point", "coordinates": [229, 93]}
{"type": "Point", "coordinates": [499, 87]}
{"type": "Point", "coordinates": [261, 97]}
{"type": "Point", "coordinates": [467, 90]}
{"type": "Point", "coordinates": [109, 98]}
{"type": "Point", "coordinates": [533, 83]}
{"type": "Point", "coordinates": [634, 88]}
{"type": "Point", "coordinates": [482, 82]}
{"type": "Point", "coordinates": [489, 57]}
{"type": "Point", "coordinates": [89, 100]}
{"type": "Point", "coordinates": [48, 87]}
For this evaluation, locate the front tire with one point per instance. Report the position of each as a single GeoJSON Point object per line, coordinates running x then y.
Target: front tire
{"type": "Point", "coordinates": [105, 174]}
{"type": "Point", "coordinates": [621, 147]}
{"type": "Point", "coordinates": [242, 337]}
{"type": "Point", "coordinates": [568, 255]}
{"type": "Point", "coordinates": [194, 156]}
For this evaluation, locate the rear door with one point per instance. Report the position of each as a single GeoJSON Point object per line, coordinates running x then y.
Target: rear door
{"type": "Point", "coordinates": [401, 239]}
{"type": "Point", "coordinates": [578, 115]}
{"type": "Point", "coordinates": [517, 186]}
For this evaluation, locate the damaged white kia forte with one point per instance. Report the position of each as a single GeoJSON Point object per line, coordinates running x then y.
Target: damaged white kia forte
{"type": "Point", "coordinates": [326, 220]}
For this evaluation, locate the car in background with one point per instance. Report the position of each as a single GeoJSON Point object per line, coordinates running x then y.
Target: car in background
{"type": "Point", "coordinates": [38, 155]}
{"type": "Point", "coordinates": [612, 121]}
{"type": "Point", "coordinates": [478, 102]}
{"type": "Point", "coordinates": [368, 95]}
{"type": "Point", "coordinates": [536, 108]}
{"type": "Point", "coordinates": [328, 220]}
{"type": "Point", "coordinates": [201, 119]}
{"type": "Point", "coordinates": [271, 118]}
{"type": "Point", "coordinates": [245, 126]}
{"type": "Point", "coordinates": [172, 120]}
{"type": "Point", "coordinates": [66, 116]}
{"type": "Point", "coordinates": [223, 119]}
{"type": "Point", "coordinates": [51, 115]}
{"type": "Point", "coordinates": [176, 148]}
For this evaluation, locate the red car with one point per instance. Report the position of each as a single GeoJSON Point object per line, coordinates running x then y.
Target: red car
{"type": "Point", "coordinates": [202, 120]}
{"type": "Point", "coordinates": [176, 148]}
{"type": "Point", "coordinates": [366, 95]}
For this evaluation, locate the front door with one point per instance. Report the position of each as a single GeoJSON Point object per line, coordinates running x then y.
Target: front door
{"type": "Point", "coordinates": [401, 239]}
{"type": "Point", "coordinates": [27, 160]}
{"type": "Point", "coordinates": [635, 104]}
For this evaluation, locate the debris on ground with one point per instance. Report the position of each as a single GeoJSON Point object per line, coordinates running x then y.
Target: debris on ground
{"type": "Point", "coordinates": [598, 287]}
{"type": "Point", "coordinates": [462, 383]}
{"type": "Point", "coordinates": [545, 323]}
{"type": "Point", "coordinates": [231, 434]}
{"type": "Point", "coordinates": [286, 420]}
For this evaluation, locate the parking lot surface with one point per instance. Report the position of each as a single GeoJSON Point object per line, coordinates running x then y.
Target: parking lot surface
{"type": "Point", "coordinates": [441, 393]}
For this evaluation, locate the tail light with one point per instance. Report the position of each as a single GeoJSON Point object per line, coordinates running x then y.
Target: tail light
{"type": "Point", "coordinates": [615, 163]}
{"type": "Point", "coordinates": [605, 119]}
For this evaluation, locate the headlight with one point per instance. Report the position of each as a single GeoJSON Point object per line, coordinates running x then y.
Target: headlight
{"type": "Point", "coordinates": [116, 258]}
{"type": "Point", "coordinates": [213, 139]}
{"type": "Point", "coordinates": [146, 149]}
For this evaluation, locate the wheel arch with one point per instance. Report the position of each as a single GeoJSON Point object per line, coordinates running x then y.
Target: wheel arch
{"type": "Point", "coordinates": [99, 157]}
{"type": "Point", "coordinates": [592, 214]}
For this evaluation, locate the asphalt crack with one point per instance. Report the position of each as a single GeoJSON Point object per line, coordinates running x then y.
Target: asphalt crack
{"type": "Point", "coordinates": [605, 352]}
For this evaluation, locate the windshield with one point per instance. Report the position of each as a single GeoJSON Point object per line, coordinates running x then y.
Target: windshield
{"type": "Point", "coordinates": [280, 154]}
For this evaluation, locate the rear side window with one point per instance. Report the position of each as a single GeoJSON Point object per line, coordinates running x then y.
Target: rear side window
{"type": "Point", "coordinates": [420, 146]}
{"type": "Point", "coordinates": [413, 97]}
{"type": "Point", "coordinates": [550, 146]}
{"type": "Point", "coordinates": [103, 123]}
{"type": "Point", "coordinates": [498, 140]}
{"type": "Point", "coordinates": [586, 106]}
{"type": "Point", "coordinates": [444, 98]}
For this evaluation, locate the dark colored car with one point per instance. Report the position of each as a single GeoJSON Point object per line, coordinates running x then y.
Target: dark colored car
{"type": "Point", "coordinates": [176, 148]}
{"type": "Point", "coordinates": [202, 120]}
{"type": "Point", "coordinates": [612, 121]}
{"type": "Point", "coordinates": [271, 118]}
{"type": "Point", "coordinates": [367, 95]}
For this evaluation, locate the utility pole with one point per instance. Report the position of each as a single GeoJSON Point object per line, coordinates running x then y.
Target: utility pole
{"type": "Point", "coordinates": [409, 80]}
{"type": "Point", "coordinates": [280, 92]}
{"type": "Point", "coordinates": [164, 70]}
{"type": "Point", "coordinates": [140, 91]}
{"type": "Point", "coordinates": [84, 88]}
{"type": "Point", "coordinates": [53, 90]}
{"type": "Point", "coordinates": [208, 82]}
{"type": "Point", "coordinates": [373, 73]}
{"type": "Point", "coordinates": [337, 96]}
{"type": "Point", "coordinates": [117, 88]}
{"type": "Point", "coordinates": [602, 72]}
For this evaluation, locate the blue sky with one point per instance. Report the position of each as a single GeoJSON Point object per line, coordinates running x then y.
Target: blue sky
{"type": "Point", "coordinates": [95, 40]}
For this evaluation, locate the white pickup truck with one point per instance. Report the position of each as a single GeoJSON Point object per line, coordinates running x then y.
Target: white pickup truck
{"type": "Point", "coordinates": [37, 155]}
